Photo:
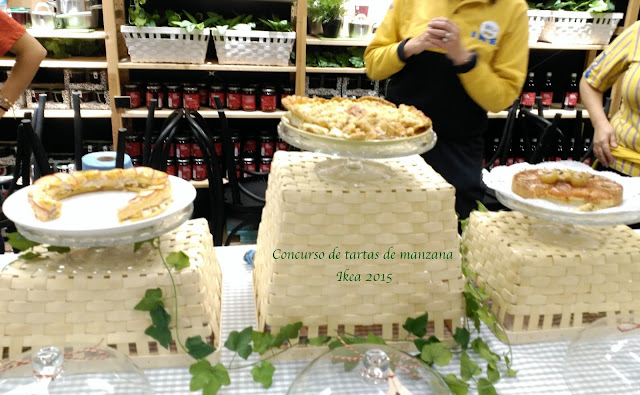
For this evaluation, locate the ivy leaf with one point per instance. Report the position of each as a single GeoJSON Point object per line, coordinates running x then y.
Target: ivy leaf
{"type": "Point", "coordinates": [481, 348]}
{"type": "Point", "coordinates": [59, 250]}
{"type": "Point", "coordinates": [19, 242]}
{"type": "Point", "coordinates": [417, 326]}
{"type": "Point", "coordinates": [263, 373]}
{"type": "Point", "coordinates": [468, 368]}
{"type": "Point", "coordinates": [261, 341]}
{"type": "Point", "coordinates": [30, 256]}
{"type": "Point", "coordinates": [239, 342]}
{"type": "Point", "coordinates": [486, 388]}
{"type": "Point", "coordinates": [462, 337]}
{"type": "Point", "coordinates": [510, 371]}
{"type": "Point", "coordinates": [371, 338]}
{"type": "Point", "coordinates": [318, 341]}
{"type": "Point", "coordinates": [492, 373]}
{"type": "Point", "coordinates": [419, 343]}
{"type": "Point", "coordinates": [197, 348]}
{"type": "Point", "coordinates": [457, 386]}
{"type": "Point", "coordinates": [160, 328]}
{"type": "Point", "coordinates": [289, 331]}
{"type": "Point", "coordinates": [139, 244]}
{"type": "Point", "coordinates": [152, 299]}
{"type": "Point", "coordinates": [178, 260]}
{"type": "Point", "coordinates": [208, 378]}
{"type": "Point", "coordinates": [437, 353]}
{"type": "Point", "coordinates": [485, 315]}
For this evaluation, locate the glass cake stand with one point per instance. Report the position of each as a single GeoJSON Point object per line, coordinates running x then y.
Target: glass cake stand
{"type": "Point", "coordinates": [351, 166]}
{"type": "Point", "coordinates": [559, 221]}
{"type": "Point", "coordinates": [89, 221]}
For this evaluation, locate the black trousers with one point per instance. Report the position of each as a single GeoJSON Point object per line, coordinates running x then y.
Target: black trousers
{"type": "Point", "coordinates": [460, 163]}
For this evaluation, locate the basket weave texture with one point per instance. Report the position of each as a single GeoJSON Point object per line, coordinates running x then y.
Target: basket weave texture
{"type": "Point", "coordinates": [165, 44]}
{"type": "Point", "coordinates": [254, 47]}
{"type": "Point", "coordinates": [544, 292]}
{"type": "Point", "coordinates": [537, 21]}
{"type": "Point", "coordinates": [576, 28]}
{"type": "Point", "coordinates": [41, 305]}
{"type": "Point", "coordinates": [411, 212]}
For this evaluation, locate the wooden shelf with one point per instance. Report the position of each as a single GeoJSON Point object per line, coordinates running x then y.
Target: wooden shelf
{"type": "Point", "coordinates": [336, 70]}
{"type": "Point", "coordinates": [86, 34]}
{"type": "Point", "coordinates": [51, 113]}
{"type": "Point", "coordinates": [206, 113]}
{"type": "Point", "coordinates": [566, 114]}
{"type": "Point", "coordinates": [587, 47]}
{"type": "Point", "coordinates": [71, 63]}
{"type": "Point", "coordinates": [207, 65]}
{"type": "Point", "coordinates": [342, 42]}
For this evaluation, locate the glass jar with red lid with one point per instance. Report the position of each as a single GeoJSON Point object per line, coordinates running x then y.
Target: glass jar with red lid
{"type": "Point", "coordinates": [134, 91]}
{"type": "Point", "coordinates": [249, 163]}
{"type": "Point", "coordinates": [234, 97]}
{"type": "Point", "coordinates": [133, 145]}
{"type": "Point", "coordinates": [172, 168]}
{"type": "Point", "coordinates": [268, 99]}
{"type": "Point", "coordinates": [249, 99]}
{"type": "Point", "coordinates": [284, 92]}
{"type": "Point", "coordinates": [216, 90]}
{"type": "Point", "coordinates": [174, 96]}
{"type": "Point", "coordinates": [154, 91]}
{"type": "Point", "coordinates": [199, 169]}
{"type": "Point", "coordinates": [267, 144]}
{"type": "Point", "coordinates": [183, 146]}
{"type": "Point", "coordinates": [184, 169]}
{"type": "Point", "coordinates": [191, 98]}
{"type": "Point", "coordinates": [203, 91]}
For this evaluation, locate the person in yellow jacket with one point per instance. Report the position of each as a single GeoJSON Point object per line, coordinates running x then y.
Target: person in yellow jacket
{"type": "Point", "coordinates": [454, 60]}
{"type": "Point", "coordinates": [616, 144]}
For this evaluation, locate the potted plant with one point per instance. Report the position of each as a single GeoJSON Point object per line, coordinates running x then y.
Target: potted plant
{"type": "Point", "coordinates": [330, 13]}
{"type": "Point", "coordinates": [314, 18]}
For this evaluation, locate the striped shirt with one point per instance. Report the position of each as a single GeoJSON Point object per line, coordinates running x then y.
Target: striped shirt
{"type": "Point", "coordinates": [622, 56]}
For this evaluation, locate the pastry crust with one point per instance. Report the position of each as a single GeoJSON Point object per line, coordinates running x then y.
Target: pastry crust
{"type": "Point", "coordinates": [365, 118]}
{"type": "Point", "coordinates": [586, 190]}
{"type": "Point", "coordinates": [153, 187]}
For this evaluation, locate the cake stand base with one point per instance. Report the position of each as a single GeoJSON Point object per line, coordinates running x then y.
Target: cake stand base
{"type": "Point", "coordinates": [353, 172]}
{"type": "Point", "coordinates": [563, 235]}
{"type": "Point", "coordinates": [106, 259]}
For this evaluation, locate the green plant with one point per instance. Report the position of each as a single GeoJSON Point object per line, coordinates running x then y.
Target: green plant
{"type": "Point", "coordinates": [579, 5]}
{"type": "Point", "coordinates": [326, 10]}
{"type": "Point", "coordinates": [276, 25]}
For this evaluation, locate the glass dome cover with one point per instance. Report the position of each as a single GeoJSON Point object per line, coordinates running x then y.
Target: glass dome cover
{"type": "Point", "coordinates": [78, 370]}
{"type": "Point", "coordinates": [366, 369]}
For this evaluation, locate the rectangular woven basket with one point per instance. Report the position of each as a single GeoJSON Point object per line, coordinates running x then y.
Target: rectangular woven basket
{"type": "Point", "coordinates": [41, 305]}
{"type": "Point", "coordinates": [410, 212]}
{"type": "Point", "coordinates": [580, 28]}
{"type": "Point", "coordinates": [542, 292]}
{"type": "Point", "coordinates": [254, 47]}
{"type": "Point", "coordinates": [165, 44]}
{"type": "Point", "coordinates": [537, 21]}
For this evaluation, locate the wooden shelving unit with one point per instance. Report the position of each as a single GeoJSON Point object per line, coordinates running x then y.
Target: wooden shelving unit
{"type": "Point", "coordinates": [335, 70]}
{"type": "Point", "coordinates": [551, 113]}
{"type": "Point", "coordinates": [206, 113]}
{"type": "Point", "coordinates": [68, 33]}
{"type": "Point", "coordinates": [208, 65]}
{"type": "Point", "coordinates": [51, 113]}
{"type": "Point", "coordinates": [70, 63]}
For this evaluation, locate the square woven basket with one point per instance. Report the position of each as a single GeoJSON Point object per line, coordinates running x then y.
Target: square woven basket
{"type": "Point", "coordinates": [580, 28]}
{"type": "Point", "coordinates": [541, 292]}
{"type": "Point", "coordinates": [165, 44]}
{"type": "Point", "coordinates": [412, 212]}
{"type": "Point", "coordinates": [41, 305]}
{"type": "Point", "coordinates": [537, 21]}
{"type": "Point", "coordinates": [254, 47]}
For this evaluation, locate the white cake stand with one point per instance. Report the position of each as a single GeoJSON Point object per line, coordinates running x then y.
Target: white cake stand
{"type": "Point", "coordinates": [350, 165]}
{"type": "Point", "coordinates": [559, 225]}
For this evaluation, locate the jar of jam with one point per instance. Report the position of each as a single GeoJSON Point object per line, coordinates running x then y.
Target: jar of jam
{"type": "Point", "coordinates": [172, 168]}
{"type": "Point", "coordinates": [184, 169]}
{"type": "Point", "coordinates": [281, 145]}
{"type": "Point", "coordinates": [199, 170]}
{"type": "Point", "coordinates": [135, 93]}
{"type": "Point", "coordinates": [217, 144]}
{"type": "Point", "coordinates": [249, 99]}
{"type": "Point", "coordinates": [174, 96]}
{"type": "Point", "coordinates": [191, 98]}
{"type": "Point", "coordinates": [268, 99]}
{"type": "Point", "coordinates": [196, 151]}
{"type": "Point", "coordinates": [183, 147]}
{"type": "Point", "coordinates": [265, 165]}
{"type": "Point", "coordinates": [267, 144]}
{"type": "Point", "coordinates": [216, 90]}
{"type": "Point", "coordinates": [234, 98]}
{"type": "Point", "coordinates": [284, 92]}
{"type": "Point", "coordinates": [250, 146]}
{"type": "Point", "coordinates": [203, 91]}
{"type": "Point", "coordinates": [133, 145]}
{"type": "Point", "coordinates": [235, 140]}
{"type": "Point", "coordinates": [154, 91]}
{"type": "Point", "coordinates": [249, 163]}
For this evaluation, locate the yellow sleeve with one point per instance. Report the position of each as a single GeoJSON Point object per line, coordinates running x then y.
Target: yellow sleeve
{"type": "Point", "coordinates": [495, 85]}
{"type": "Point", "coordinates": [381, 56]}
{"type": "Point", "coordinates": [613, 61]}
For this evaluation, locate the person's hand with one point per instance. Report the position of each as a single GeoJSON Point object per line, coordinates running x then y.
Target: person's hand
{"type": "Point", "coordinates": [440, 33]}
{"type": "Point", "coordinates": [604, 139]}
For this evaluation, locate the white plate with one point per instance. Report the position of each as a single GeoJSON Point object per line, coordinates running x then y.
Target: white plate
{"type": "Point", "coordinates": [93, 216]}
{"type": "Point", "coordinates": [499, 179]}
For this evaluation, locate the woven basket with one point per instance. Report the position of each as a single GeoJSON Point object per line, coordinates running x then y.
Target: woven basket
{"type": "Point", "coordinates": [165, 44]}
{"type": "Point", "coordinates": [254, 47]}
{"type": "Point", "coordinates": [542, 292]}
{"type": "Point", "coordinates": [42, 305]}
{"type": "Point", "coordinates": [537, 20]}
{"type": "Point", "coordinates": [411, 212]}
{"type": "Point", "coordinates": [579, 28]}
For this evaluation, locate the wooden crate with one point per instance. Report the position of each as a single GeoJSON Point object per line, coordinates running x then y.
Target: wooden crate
{"type": "Point", "coordinates": [49, 302]}
{"type": "Point", "coordinates": [412, 212]}
{"type": "Point", "coordinates": [545, 292]}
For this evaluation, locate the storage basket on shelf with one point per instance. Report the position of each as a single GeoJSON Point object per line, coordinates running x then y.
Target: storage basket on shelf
{"type": "Point", "coordinates": [165, 44]}
{"type": "Point", "coordinates": [542, 292]}
{"type": "Point", "coordinates": [580, 28]}
{"type": "Point", "coordinates": [537, 20]}
{"type": "Point", "coordinates": [253, 47]}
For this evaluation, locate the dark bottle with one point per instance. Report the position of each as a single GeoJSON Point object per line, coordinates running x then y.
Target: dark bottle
{"type": "Point", "coordinates": [529, 92]}
{"type": "Point", "coordinates": [496, 143]}
{"type": "Point", "coordinates": [585, 149]}
{"type": "Point", "coordinates": [519, 151]}
{"type": "Point", "coordinates": [573, 152]}
{"type": "Point", "coordinates": [571, 95]}
{"type": "Point", "coordinates": [547, 92]}
{"type": "Point", "coordinates": [559, 154]}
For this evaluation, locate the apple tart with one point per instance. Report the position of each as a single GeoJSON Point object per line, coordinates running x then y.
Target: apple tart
{"type": "Point", "coordinates": [365, 118]}
{"type": "Point", "coordinates": [153, 189]}
{"type": "Point", "coordinates": [586, 190]}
